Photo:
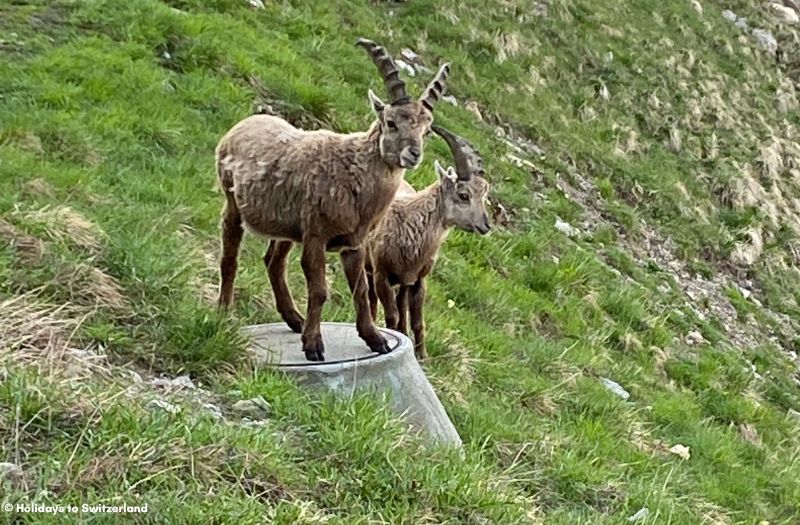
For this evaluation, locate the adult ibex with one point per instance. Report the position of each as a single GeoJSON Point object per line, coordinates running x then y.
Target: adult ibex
{"type": "Point", "coordinates": [323, 189]}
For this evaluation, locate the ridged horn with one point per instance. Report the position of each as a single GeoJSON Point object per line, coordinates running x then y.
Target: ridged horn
{"type": "Point", "coordinates": [433, 93]}
{"type": "Point", "coordinates": [466, 157]}
{"type": "Point", "coordinates": [395, 86]}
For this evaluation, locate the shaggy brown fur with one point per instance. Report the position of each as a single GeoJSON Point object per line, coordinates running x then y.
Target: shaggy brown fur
{"type": "Point", "coordinates": [322, 189]}
{"type": "Point", "coordinates": [403, 248]}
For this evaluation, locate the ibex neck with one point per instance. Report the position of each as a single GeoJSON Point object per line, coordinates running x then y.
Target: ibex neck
{"type": "Point", "coordinates": [431, 201]}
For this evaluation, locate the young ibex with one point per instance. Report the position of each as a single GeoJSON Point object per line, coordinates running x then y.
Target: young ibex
{"type": "Point", "coordinates": [403, 247]}
{"type": "Point", "coordinates": [323, 189]}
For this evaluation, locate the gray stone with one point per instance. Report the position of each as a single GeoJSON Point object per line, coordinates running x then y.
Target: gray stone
{"type": "Point", "coordinates": [766, 40]}
{"type": "Point", "coordinates": [350, 366]}
{"type": "Point", "coordinates": [10, 471]}
{"type": "Point", "coordinates": [255, 407]}
{"type": "Point", "coordinates": [159, 404]}
{"type": "Point", "coordinates": [616, 388]}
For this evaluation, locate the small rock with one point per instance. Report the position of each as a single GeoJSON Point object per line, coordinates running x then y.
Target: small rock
{"type": "Point", "coordinates": [450, 303]}
{"type": "Point", "coordinates": [681, 451]}
{"type": "Point", "coordinates": [640, 515]}
{"type": "Point", "coordinates": [603, 93]}
{"type": "Point", "coordinates": [787, 14]}
{"type": "Point", "coordinates": [472, 107]}
{"type": "Point", "coordinates": [745, 292]}
{"type": "Point", "coordinates": [213, 409]}
{"type": "Point", "coordinates": [749, 433]}
{"type": "Point", "coordinates": [178, 383]}
{"type": "Point", "coordinates": [250, 423]}
{"type": "Point", "coordinates": [608, 57]}
{"type": "Point", "coordinates": [615, 388]}
{"type": "Point", "coordinates": [409, 55]}
{"type": "Point", "coordinates": [742, 24]}
{"type": "Point", "coordinates": [694, 338]}
{"type": "Point", "coordinates": [10, 471]}
{"type": "Point", "coordinates": [697, 7]}
{"type": "Point", "coordinates": [137, 379]}
{"type": "Point", "coordinates": [257, 406]}
{"type": "Point", "coordinates": [794, 414]}
{"type": "Point", "coordinates": [766, 40]}
{"type": "Point", "coordinates": [160, 404]}
{"type": "Point", "coordinates": [566, 228]}
{"type": "Point", "coordinates": [729, 15]}
{"type": "Point", "coordinates": [405, 66]}
{"type": "Point", "coordinates": [450, 99]}
{"type": "Point", "coordinates": [258, 4]}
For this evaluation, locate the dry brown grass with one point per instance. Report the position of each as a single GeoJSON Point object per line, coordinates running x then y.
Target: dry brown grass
{"type": "Point", "coordinates": [41, 335]}
{"type": "Point", "coordinates": [28, 248]}
{"type": "Point", "coordinates": [65, 225]}
{"type": "Point", "coordinates": [90, 285]}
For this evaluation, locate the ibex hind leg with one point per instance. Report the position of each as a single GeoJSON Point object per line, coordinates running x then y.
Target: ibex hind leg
{"type": "Point", "coordinates": [275, 261]}
{"type": "Point", "coordinates": [313, 263]}
{"type": "Point", "coordinates": [353, 263]}
{"type": "Point", "coordinates": [232, 233]}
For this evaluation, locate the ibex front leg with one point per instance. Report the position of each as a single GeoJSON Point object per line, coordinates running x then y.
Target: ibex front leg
{"type": "Point", "coordinates": [275, 261]}
{"type": "Point", "coordinates": [417, 300]}
{"type": "Point", "coordinates": [353, 263]}
{"type": "Point", "coordinates": [402, 309]}
{"type": "Point", "coordinates": [313, 262]}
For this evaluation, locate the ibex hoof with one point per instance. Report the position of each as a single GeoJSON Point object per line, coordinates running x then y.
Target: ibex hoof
{"type": "Point", "coordinates": [381, 347]}
{"type": "Point", "coordinates": [314, 354]}
{"type": "Point", "coordinates": [295, 323]}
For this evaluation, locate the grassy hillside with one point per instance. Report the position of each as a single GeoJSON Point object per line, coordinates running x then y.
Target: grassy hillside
{"type": "Point", "coordinates": [665, 136]}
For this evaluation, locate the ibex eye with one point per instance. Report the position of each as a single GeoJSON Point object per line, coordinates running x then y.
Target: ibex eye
{"type": "Point", "coordinates": [392, 124]}
{"type": "Point", "coordinates": [464, 197]}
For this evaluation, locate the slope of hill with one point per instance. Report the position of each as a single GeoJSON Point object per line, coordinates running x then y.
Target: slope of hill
{"type": "Point", "coordinates": [646, 185]}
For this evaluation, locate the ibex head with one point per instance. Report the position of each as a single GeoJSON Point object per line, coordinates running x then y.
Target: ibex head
{"type": "Point", "coordinates": [404, 122]}
{"type": "Point", "coordinates": [465, 188]}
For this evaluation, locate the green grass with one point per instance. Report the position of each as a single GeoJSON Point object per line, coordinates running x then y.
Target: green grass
{"type": "Point", "coordinates": [109, 114]}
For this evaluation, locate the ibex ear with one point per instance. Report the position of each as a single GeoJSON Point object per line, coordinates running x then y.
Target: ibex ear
{"type": "Point", "coordinates": [448, 174]}
{"type": "Point", "coordinates": [377, 103]}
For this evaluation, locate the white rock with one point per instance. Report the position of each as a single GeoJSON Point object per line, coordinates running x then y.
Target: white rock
{"type": "Point", "coordinates": [409, 55]}
{"type": "Point", "coordinates": [213, 409]}
{"type": "Point", "coordinates": [787, 14]}
{"type": "Point", "coordinates": [250, 423]}
{"type": "Point", "coordinates": [257, 406]}
{"type": "Point", "coordinates": [10, 470]}
{"type": "Point", "coordinates": [640, 515]}
{"type": "Point", "coordinates": [745, 292]}
{"type": "Point", "coordinates": [729, 15]}
{"type": "Point", "coordinates": [450, 99]}
{"type": "Point", "coordinates": [681, 451]}
{"type": "Point", "coordinates": [615, 387]}
{"type": "Point", "coordinates": [160, 404]}
{"type": "Point", "coordinates": [405, 66]}
{"type": "Point", "coordinates": [694, 338]}
{"type": "Point", "coordinates": [766, 40]}
{"type": "Point", "coordinates": [697, 6]}
{"type": "Point", "coordinates": [258, 4]}
{"type": "Point", "coordinates": [178, 383]}
{"type": "Point", "coordinates": [566, 228]}
{"type": "Point", "coordinates": [603, 93]}
{"type": "Point", "coordinates": [793, 414]}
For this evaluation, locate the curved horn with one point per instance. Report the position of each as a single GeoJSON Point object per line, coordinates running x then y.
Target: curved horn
{"type": "Point", "coordinates": [433, 93]}
{"type": "Point", "coordinates": [467, 159]}
{"type": "Point", "coordinates": [395, 86]}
